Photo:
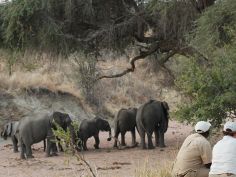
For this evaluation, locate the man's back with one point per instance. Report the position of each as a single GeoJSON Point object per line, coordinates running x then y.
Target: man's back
{"type": "Point", "coordinates": [224, 158]}
{"type": "Point", "coordinates": [194, 152]}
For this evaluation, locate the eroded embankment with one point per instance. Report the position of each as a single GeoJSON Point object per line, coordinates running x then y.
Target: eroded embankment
{"type": "Point", "coordinates": [15, 105]}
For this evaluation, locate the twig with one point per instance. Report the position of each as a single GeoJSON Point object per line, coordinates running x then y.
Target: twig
{"type": "Point", "coordinates": [79, 157]}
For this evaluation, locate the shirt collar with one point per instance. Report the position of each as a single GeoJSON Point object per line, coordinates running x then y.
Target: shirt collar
{"type": "Point", "coordinates": [226, 137]}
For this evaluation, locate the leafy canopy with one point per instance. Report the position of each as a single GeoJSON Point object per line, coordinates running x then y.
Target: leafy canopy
{"type": "Point", "coordinates": [212, 86]}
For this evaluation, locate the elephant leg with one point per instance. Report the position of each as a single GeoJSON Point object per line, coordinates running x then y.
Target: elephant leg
{"type": "Point", "coordinates": [23, 149]}
{"type": "Point", "coordinates": [54, 149]}
{"type": "Point", "coordinates": [59, 144]}
{"type": "Point", "coordinates": [150, 144]}
{"type": "Point", "coordinates": [85, 144]}
{"type": "Point", "coordinates": [29, 151]}
{"type": "Point", "coordinates": [44, 145]}
{"type": "Point", "coordinates": [116, 138]}
{"type": "Point", "coordinates": [15, 142]}
{"type": "Point", "coordinates": [133, 137]}
{"type": "Point", "coordinates": [142, 137]}
{"type": "Point", "coordinates": [156, 138]}
{"type": "Point", "coordinates": [161, 138]}
{"type": "Point", "coordinates": [60, 147]}
{"type": "Point", "coordinates": [80, 144]}
{"type": "Point", "coordinates": [49, 147]}
{"type": "Point", "coordinates": [123, 139]}
{"type": "Point", "coordinates": [97, 141]}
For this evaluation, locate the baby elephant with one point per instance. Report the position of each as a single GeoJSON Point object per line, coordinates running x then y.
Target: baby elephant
{"type": "Point", "coordinates": [89, 128]}
{"type": "Point", "coordinates": [9, 130]}
{"type": "Point", "coordinates": [125, 121]}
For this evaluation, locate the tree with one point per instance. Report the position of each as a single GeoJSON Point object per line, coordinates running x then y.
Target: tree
{"type": "Point", "coordinates": [201, 30]}
{"type": "Point", "coordinates": [94, 25]}
{"type": "Point", "coordinates": [212, 87]}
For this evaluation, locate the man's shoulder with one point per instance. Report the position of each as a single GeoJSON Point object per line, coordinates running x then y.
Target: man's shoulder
{"type": "Point", "coordinates": [201, 140]}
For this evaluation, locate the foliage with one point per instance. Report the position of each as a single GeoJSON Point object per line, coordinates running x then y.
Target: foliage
{"type": "Point", "coordinates": [25, 24]}
{"type": "Point", "coordinates": [172, 19]}
{"type": "Point", "coordinates": [216, 28]}
{"type": "Point", "coordinates": [65, 137]}
{"type": "Point", "coordinates": [58, 25]}
{"type": "Point", "coordinates": [85, 72]}
{"type": "Point", "coordinates": [212, 86]}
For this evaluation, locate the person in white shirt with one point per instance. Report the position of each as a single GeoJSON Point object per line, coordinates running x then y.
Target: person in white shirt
{"type": "Point", "coordinates": [224, 153]}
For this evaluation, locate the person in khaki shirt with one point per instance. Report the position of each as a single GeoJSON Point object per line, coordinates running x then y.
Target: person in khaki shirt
{"type": "Point", "coordinates": [195, 155]}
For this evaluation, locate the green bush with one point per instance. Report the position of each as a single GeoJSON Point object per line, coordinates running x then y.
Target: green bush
{"type": "Point", "coordinates": [212, 89]}
{"type": "Point", "coordinates": [211, 85]}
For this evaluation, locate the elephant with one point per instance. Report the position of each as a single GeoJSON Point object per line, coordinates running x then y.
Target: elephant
{"type": "Point", "coordinates": [125, 120]}
{"type": "Point", "coordinates": [40, 127]}
{"type": "Point", "coordinates": [152, 116]}
{"type": "Point", "coordinates": [9, 130]}
{"type": "Point", "coordinates": [64, 121]}
{"type": "Point", "coordinates": [33, 130]}
{"type": "Point", "coordinates": [89, 128]}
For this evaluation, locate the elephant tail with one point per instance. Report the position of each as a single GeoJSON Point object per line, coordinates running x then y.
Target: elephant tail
{"type": "Point", "coordinates": [117, 120]}
{"type": "Point", "coordinates": [141, 115]}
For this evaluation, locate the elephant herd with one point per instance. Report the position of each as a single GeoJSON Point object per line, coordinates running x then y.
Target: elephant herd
{"type": "Point", "coordinates": [152, 116]}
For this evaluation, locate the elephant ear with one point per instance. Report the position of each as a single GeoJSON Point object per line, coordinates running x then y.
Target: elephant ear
{"type": "Point", "coordinates": [9, 128]}
{"type": "Point", "coordinates": [165, 105]}
{"type": "Point", "coordinates": [67, 119]}
{"type": "Point", "coordinates": [62, 119]}
{"type": "Point", "coordinates": [99, 122]}
{"type": "Point", "coordinates": [134, 110]}
{"type": "Point", "coordinates": [166, 108]}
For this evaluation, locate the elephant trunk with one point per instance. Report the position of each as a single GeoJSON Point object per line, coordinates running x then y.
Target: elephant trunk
{"type": "Point", "coordinates": [4, 134]}
{"type": "Point", "coordinates": [110, 136]}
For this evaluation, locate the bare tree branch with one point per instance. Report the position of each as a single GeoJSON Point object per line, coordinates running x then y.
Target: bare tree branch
{"type": "Point", "coordinates": [143, 54]}
{"type": "Point", "coordinates": [164, 46]}
{"type": "Point", "coordinates": [164, 60]}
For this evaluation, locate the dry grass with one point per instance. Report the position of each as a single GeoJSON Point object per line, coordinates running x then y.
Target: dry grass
{"type": "Point", "coordinates": [41, 70]}
{"type": "Point", "coordinates": [145, 171]}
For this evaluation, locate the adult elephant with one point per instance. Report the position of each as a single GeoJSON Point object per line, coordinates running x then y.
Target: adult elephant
{"type": "Point", "coordinates": [125, 120]}
{"type": "Point", "coordinates": [89, 128]}
{"type": "Point", "coordinates": [151, 117]}
{"type": "Point", "coordinates": [40, 127]}
{"type": "Point", "coordinates": [9, 130]}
